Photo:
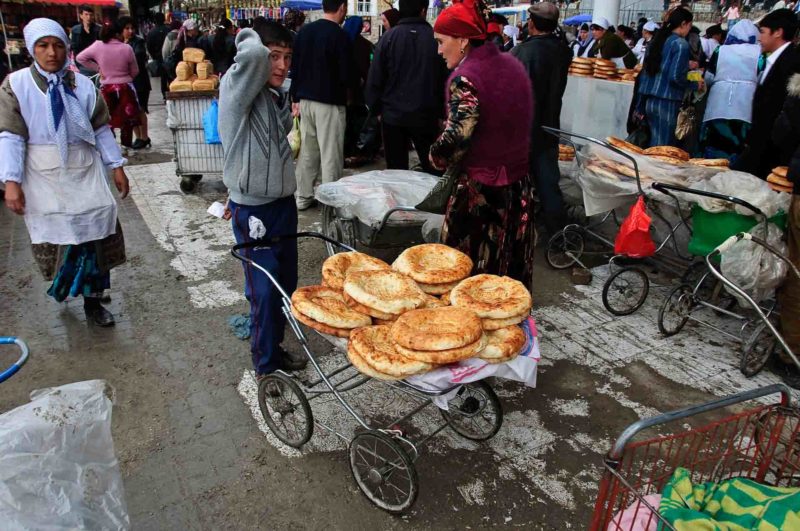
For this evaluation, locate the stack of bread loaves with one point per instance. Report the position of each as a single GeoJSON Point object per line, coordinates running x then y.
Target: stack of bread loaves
{"type": "Point", "coordinates": [436, 268]}
{"type": "Point", "coordinates": [778, 181]}
{"type": "Point", "coordinates": [194, 73]}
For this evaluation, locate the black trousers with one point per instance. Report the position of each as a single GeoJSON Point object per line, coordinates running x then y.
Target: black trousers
{"type": "Point", "coordinates": [395, 145]}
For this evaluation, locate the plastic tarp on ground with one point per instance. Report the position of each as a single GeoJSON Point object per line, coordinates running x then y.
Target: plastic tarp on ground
{"type": "Point", "coordinates": [370, 195]}
{"type": "Point", "coordinates": [57, 464]}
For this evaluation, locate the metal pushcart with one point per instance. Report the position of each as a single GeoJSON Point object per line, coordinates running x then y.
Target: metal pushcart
{"type": "Point", "coordinates": [23, 357]}
{"type": "Point", "coordinates": [761, 444]}
{"type": "Point", "coordinates": [352, 231]}
{"type": "Point", "coordinates": [194, 159]}
{"type": "Point", "coordinates": [382, 456]}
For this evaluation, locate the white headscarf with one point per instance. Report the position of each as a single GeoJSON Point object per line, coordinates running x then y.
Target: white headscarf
{"type": "Point", "coordinates": [64, 110]}
{"type": "Point", "coordinates": [511, 31]}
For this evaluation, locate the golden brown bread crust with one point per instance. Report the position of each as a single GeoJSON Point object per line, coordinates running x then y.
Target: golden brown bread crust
{"type": "Point", "coordinates": [352, 303]}
{"type": "Point", "coordinates": [497, 324]}
{"type": "Point", "coordinates": [492, 296]}
{"type": "Point", "coordinates": [336, 267]}
{"type": "Point", "coordinates": [668, 151]}
{"type": "Point", "coordinates": [779, 180]}
{"type": "Point", "coordinates": [437, 328]}
{"type": "Point", "coordinates": [374, 345]}
{"type": "Point", "coordinates": [433, 263]}
{"type": "Point", "coordinates": [624, 145]}
{"type": "Point", "coordinates": [711, 163]}
{"type": "Point", "coordinates": [327, 306]}
{"type": "Point", "coordinates": [385, 290]}
{"type": "Point", "coordinates": [503, 344]}
{"type": "Point", "coordinates": [437, 289]}
{"type": "Point", "coordinates": [443, 357]}
{"type": "Point", "coordinates": [781, 171]}
{"type": "Point", "coordinates": [321, 327]}
{"type": "Point", "coordinates": [365, 368]}
{"type": "Point", "coordinates": [667, 160]}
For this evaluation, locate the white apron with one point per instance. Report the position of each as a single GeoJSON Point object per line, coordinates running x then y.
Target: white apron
{"type": "Point", "coordinates": [731, 94]}
{"type": "Point", "coordinates": [67, 205]}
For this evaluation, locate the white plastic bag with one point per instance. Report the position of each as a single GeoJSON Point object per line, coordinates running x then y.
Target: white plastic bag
{"type": "Point", "coordinates": [742, 186]}
{"type": "Point", "coordinates": [432, 229]}
{"type": "Point", "coordinates": [294, 137]}
{"type": "Point", "coordinates": [753, 268]}
{"type": "Point", "coordinates": [57, 464]}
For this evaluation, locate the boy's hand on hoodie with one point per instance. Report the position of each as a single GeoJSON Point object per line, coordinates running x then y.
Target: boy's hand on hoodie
{"type": "Point", "coordinates": [295, 110]}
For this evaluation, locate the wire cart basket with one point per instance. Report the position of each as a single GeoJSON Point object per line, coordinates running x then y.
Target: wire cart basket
{"type": "Point", "coordinates": [761, 444]}
{"type": "Point", "coordinates": [194, 159]}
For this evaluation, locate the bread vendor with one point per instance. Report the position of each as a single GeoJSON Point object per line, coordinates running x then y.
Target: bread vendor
{"type": "Point", "coordinates": [609, 45]}
{"type": "Point", "coordinates": [55, 151]}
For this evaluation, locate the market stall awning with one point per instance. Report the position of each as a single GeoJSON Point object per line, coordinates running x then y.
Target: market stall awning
{"type": "Point", "coordinates": [102, 3]}
{"type": "Point", "coordinates": [303, 5]}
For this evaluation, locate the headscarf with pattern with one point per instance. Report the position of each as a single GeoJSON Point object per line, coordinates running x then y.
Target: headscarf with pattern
{"type": "Point", "coordinates": [64, 110]}
{"type": "Point", "coordinates": [463, 19]}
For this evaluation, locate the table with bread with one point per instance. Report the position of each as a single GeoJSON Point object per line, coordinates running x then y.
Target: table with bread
{"type": "Point", "coordinates": [422, 312]}
{"type": "Point", "coordinates": [194, 73]}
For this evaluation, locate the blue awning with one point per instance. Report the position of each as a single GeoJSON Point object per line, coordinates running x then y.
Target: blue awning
{"type": "Point", "coordinates": [303, 5]}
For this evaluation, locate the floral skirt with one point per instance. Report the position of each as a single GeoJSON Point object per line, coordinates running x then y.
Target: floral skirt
{"type": "Point", "coordinates": [494, 226]}
{"type": "Point", "coordinates": [123, 109]}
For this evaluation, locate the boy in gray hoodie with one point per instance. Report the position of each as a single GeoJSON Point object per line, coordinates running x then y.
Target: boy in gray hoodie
{"type": "Point", "coordinates": [254, 121]}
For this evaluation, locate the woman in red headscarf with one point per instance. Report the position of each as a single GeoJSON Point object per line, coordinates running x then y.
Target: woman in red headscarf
{"type": "Point", "coordinates": [486, 143]}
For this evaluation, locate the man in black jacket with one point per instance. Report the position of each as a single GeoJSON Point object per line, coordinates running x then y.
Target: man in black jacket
{"type": "Point", "coordinates": [405, 86]}
{"type": "Point", "coordinates": [155, 41]}
{"type": "Point", "coordinates": [777, 31]}
{"type": "Point", "coordinates": [83, 35]}
{"type": "Point", "coordinates": [547, 59]}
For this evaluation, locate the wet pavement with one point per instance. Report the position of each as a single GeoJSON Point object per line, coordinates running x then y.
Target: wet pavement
{"type": "Point", "coordinates": [194, 453]}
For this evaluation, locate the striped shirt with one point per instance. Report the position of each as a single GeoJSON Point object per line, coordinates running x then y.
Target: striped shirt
{"type": "Point", "coordinates": [670, 83]}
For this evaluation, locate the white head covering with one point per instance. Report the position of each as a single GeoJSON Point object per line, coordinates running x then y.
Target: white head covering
{"type": "Point", "coordinates": [650, 26]}
{"type": "Point", "coordinates": [511, 31]}
{"type": "Point", "coordinates": [189, 24]}
{"type": "Point", "coordinates": [746, 34]}
{"type": "Point", "coordinates": [64, 111]}
{"type": "Point", "coordinates": [601, 21]}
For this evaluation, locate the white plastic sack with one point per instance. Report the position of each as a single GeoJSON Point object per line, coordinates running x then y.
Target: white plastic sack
{"type": "Point", "coordinates": [432, 229]}
{"type": "Point", "coordinates": [742, 186]}
{"type": "Point", "coordinates": [753, 268]}
{"type": "Point", "coordinates": [369, 195]}
{"type": "Point", "coordinates": [57, 464]}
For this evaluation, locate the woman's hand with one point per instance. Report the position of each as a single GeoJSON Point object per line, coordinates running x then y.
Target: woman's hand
{"type": "Point", "coordinates": [15, 197]}
{"type": "Point", "coordinates": [121, 182]}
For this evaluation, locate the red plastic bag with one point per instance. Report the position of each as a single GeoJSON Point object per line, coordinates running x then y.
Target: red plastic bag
{"type": "Point", "coordinates": [634, 238]}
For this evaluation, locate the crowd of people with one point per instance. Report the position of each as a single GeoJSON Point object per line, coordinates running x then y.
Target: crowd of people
{"type": "Point", "coordinates": [471, 94]}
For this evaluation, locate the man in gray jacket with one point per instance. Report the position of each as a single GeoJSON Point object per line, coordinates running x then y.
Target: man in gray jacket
{"type": "Point", "coordinates": [254, 120]}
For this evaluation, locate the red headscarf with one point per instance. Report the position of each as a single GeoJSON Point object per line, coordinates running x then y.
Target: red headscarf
{"type": "Point", "coordinates": [462, 19]}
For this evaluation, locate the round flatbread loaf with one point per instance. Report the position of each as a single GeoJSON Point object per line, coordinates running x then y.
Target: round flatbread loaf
{"type": "Point", "coordinates": [602, 172]}
{"type": "Point", "coordinates": [437, 289]}
{"type": "Point", "coordinates": [433, 263]}
{"type": "Point", "coordinates": [780, 181]}
{"type": "Point", "coordinates": [321, 327]}
{"type": "Point", "coordinates": [434, 302]}
{"type": "Point", "coordinates": [374, 345]}
{"type": "Point", "coordinates": [336, 267]}
{"type": "Point", "coordinates": [365, 368]}
{"type": "Point", "coordinates": [711, 163]}
{"type": "Point", "coordinates": [604, 62]}
{"type": "Point", "coordinates": [437, 328]}
{"type": "Point", "coordinates": [566, 149]}
{"type": "Point", "coordinates": [582, 60]}
{"type": "Point", "coordinates": [783, 189]}
{"type": "Point", "coordinates": [497, 324]}
{"type": "Point", "coordinates": [366, 310]}
{"type": "Point", "coordinates": [327, 306]}
{"type": "Point", "coordinates": [503, 344]}
{"type": "Point", "coordinates": [622, 144]}
{"type": "Point", "coordinates": [668, 151]}
{"type": "Point", "coordinates": [443, 357]}
{"type": "Point", "coordinates": [781, 171]}
{"type": "Point", "coordinates": [492, 296]}
{"type": "Point", "coordinates": [667, 160]}
{"type": "Point", "coordinates": [386, 291]}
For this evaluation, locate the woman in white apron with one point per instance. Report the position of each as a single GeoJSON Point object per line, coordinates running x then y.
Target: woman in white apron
{"type": "Point", "coordinates": [732, 76]}
{"type": "Point", "coordinates": [55, 146]}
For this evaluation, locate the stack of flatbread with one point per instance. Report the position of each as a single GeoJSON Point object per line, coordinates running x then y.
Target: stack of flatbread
{"type": "Point", "coordinates": [624, 145]}
{"type": "Point", "coordinates": [373, 353]}
{"type": "Point", "coordinates": [324, 309]}
{"type": "Point", "coordinates": [566, 153]}
{"type": "Point", "coordinates": [778, 181]}
{"type": "Point", "coordinates": [605, 69]}
{"type": "Point", "coordinates": [438, 335]}
{"type": "Point", "coordinates": [383, 294]}
{"type": "Point", "coordinates": [436, 268]}
{"type": "Point", "coordinates": [498, 301]}
{"type": "Point", "coordinates": [668, 154]}
{"type": "Point", "coordinates": [336, 268]}
{"type": "Point", "coordinates": [582, 67]}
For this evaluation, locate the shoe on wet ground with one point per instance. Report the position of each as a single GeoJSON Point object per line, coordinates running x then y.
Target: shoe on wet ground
{"type": "Point", "coordinates": [97, 314]}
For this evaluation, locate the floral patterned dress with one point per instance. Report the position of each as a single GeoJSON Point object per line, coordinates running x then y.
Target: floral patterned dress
{"type": "Point", "coordinates": [492, 224]}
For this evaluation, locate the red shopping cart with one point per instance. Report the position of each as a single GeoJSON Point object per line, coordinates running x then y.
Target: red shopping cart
{"type": "Point", "coordinates": [762, 444]}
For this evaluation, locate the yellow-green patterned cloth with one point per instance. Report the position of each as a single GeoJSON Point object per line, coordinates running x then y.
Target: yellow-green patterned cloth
{"type": "Point", "coordinates": [732, 505]}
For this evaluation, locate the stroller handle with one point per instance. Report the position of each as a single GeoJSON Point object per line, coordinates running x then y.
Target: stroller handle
{"type": "Point", "coordinates": [269, 242]}
{"type": "Point", "coordinates": [665, 188]}
{"type": "Point", "coordinates": [11, 371]}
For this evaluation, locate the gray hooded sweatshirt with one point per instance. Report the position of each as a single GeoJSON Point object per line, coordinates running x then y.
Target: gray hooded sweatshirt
{"type": "Point", "coordinates": [254, 122]}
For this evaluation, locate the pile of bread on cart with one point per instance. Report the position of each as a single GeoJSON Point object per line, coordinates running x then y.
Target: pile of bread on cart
{"type": "Point", "coordinates": [195, 72]}
{"type": "Point", "coordinates": [599, 68]}
{"type": "Point", "coordinates": [422, 312]}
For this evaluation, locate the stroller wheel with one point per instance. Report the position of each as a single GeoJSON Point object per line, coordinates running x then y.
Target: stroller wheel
{"type": "Point", "coordinates": [564, 249]}
{"type": "Point", "coordinates": [383, 471]}
{"type": "Point", "coordinates": [339, 229]}
{"type": "Point", "coordinates": [674, 313]}
{"type": "Point", "coordinates": [285, 409]}
{"type": "Point", "coordinates": [757, 350]}
{"type": "Point", "coordinates": [626, 290]}
{"type": "Point", "coordinates": [475, 412]}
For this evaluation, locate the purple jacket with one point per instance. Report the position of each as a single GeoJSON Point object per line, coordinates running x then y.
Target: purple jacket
{"type": "Point", "coordinates": [114, 60]}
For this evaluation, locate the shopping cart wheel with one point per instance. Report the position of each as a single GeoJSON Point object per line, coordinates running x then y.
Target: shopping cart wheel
{"type": "Point", "coordinates": [189, 183]}
{"type": "Point", "coordinates": [341, 230]}
{"type": "Point", "coordinates": [674, 313]}
{"type": "Point", "coordinates": [285, 409]}
{"type": "Point", "coordinates": [626, 290]}
{"type": "Point", "coordinates": [564, 249]}
{"type": "Point", "coordinates": [383, 471]}
{"type": "Point", "coordinates": [756, 350]}
{"type": "Point", "coordinates": [475, 412]}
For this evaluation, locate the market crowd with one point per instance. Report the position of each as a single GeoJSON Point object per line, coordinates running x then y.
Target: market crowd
{"type": "Point", "coordinates": [471, 94]}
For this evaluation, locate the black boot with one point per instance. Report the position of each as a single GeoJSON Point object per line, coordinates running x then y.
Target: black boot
{"type": "Point", "coordinates": [95, 313]}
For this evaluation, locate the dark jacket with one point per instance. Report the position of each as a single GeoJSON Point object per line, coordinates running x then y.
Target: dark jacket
{"type": "Point", "coordinates": [322, 64]}
{"type": "Point", "coordinates": [221, 59]}
{"type": "Point", "coordinates": [80, 40]}
{"type": "Point", "coordinates": [407, 76]}
{"type": "Point", "coordinates": [546, 59]}
{"type": "Point", "coordinates": [611, 46]}
{"type": "Point", "coordinates": [786, 131]}
{"type": "Point", "coordinates": [155, 40]}
{"type": "Point", "coordinates": [142, 80]}
{"type": "Point", "coordinates": [760, 153]}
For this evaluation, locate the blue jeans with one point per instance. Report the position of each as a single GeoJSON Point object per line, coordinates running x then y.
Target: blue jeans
{"type": "Point", "coordinates": [267, 321]}
{"type": "Point", "coordinates": [545, 173]}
